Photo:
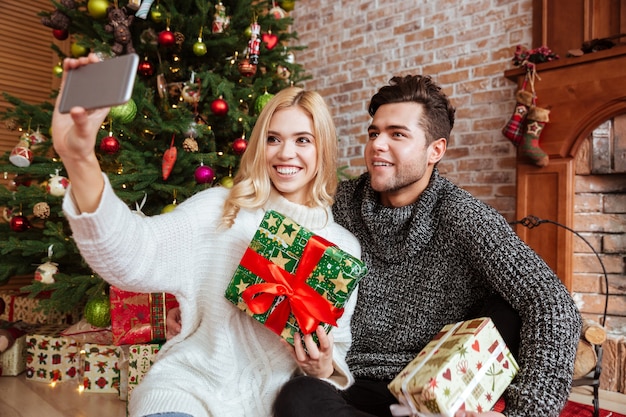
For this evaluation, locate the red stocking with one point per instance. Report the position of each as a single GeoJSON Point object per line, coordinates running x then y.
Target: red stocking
{"type": "Point", "coordinates": [514, 129]}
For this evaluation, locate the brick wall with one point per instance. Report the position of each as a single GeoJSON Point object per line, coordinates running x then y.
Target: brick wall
{"type": "Point", "coordinates": [355, 46]}
{"type": "Point", "coordinates": [600, 217]}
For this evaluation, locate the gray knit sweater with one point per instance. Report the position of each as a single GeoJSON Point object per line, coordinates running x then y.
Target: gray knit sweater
{"type": "Point", "coordinates": [433, 263]}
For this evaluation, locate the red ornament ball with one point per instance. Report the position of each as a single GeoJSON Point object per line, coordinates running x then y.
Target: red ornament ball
{"type": "Point", "coordinates": [145, 68]}
{"type": "Point", "coordinates": [60, 34]}
{"type": "Point", "coordinates": [167, 38]}
{"type": "Point", "coordinates": [110, 145]}
{"type": "Point", "coordinates": [219, 107]}
{"type": "Point", "coordinates": [204, 174]}
{"type": "Point", "coordinates": [19, 223]}
{"type": "Point", "coordinates": [240, 145]}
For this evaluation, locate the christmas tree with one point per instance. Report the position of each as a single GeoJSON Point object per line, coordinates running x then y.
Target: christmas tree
{"type": "Point", "coordinates": [206, 70]}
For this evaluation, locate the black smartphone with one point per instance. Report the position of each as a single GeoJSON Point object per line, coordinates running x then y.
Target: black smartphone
{"type": "Point", "coordinates": [101, 84]}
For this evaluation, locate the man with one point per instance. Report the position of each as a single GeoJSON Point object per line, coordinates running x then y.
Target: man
{"type": "Point", "coordinates": [436, 255]}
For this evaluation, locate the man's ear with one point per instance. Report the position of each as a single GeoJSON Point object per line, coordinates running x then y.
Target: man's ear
{"type": "Point", "coordinates": [436, 150]}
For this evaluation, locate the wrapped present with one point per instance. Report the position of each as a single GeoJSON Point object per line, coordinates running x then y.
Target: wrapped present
{"type": "Point", "coordinates": [466, 366]}
{"type": "Point", "coordinates": [139, 317]}
{"type": "Point", "coordinates": [19, 306]}
{"type": "Point", "coordinates": [140, 359]}
{"type": "Point", "coordinates": [292, 280]}
{"type": "Point", "coordinates": [13, 360]}
{"type": "Point", "coordinates": [123, 365]}
{"type": "Point", "coordinates": [51, 357]}
{"type": "Point", "coordinates": [13, 347]}
{"type": "Point", "coordinates": [99, 368]}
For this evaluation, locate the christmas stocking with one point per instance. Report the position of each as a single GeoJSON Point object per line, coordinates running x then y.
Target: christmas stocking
{"type": "Point", "coordinates": [535, 122]}
{"type": "Point", "coordinates": [514, 129]}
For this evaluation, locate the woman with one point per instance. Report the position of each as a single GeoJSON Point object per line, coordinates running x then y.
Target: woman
{"type": "Point", "coordinates": [223, 362]}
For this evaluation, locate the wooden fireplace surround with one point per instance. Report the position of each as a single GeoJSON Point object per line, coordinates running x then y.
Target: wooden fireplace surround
{"type": "Point", "coordinates": [581, 92]}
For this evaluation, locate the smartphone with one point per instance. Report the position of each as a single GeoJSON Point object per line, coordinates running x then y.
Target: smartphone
{"type": "Point", "coordinates": [101, 84]}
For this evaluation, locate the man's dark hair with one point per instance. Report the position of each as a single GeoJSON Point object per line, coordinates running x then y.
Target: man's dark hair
{"type": "Point", "coordinates": [438, 118]}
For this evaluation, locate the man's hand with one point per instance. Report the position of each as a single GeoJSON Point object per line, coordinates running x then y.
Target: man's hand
{"type": "Point", "coordinates": [173, 323]}
{"type": "Point", "coordinates": [316, 361]}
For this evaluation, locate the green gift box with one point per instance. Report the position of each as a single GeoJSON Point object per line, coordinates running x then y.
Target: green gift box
{"type": "Point", "coordinates": [293, 280]}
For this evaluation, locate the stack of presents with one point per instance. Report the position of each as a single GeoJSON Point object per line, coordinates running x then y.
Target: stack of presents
{"type": "Point", "coordinates": [50, 349]}
{"type": "Point", "coordinates": [466, 366]}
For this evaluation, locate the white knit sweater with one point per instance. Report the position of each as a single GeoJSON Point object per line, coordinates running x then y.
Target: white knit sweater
{"type": "Point", "coordinates": [223, 363]}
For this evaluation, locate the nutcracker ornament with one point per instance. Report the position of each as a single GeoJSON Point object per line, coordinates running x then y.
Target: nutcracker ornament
{"type": "Point", "coordinates": [254, 44]}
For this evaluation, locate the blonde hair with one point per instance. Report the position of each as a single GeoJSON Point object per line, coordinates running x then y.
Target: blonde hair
{"type": "Point", "coordinates": [252, 185]}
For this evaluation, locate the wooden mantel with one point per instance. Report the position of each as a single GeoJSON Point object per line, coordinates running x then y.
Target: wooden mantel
{"type": "Point", "coordinates": [581, 93]}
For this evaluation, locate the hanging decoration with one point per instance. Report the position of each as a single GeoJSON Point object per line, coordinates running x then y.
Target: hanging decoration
{"type": "Point", "coordinates": [525, 125]}
{"type": "Point", "coordinates": [41, 210]}
{"type": "Point", "coordinates": [204, 174]}
{"type": "Point", "coordinates": [199, 48]}
{"type": "Point", "coordinates": [46, 271]}
{"type": "Point", "coordinates": [254, 44]}
{"type": "Point", "coordinates": [170, 207]}
{"type": "Point", "coordinates": [269, 39]}
{"type": "Point", "coordinates": [145, 68]}
{"type": "Point", "coordinates": [19, 223]}
{"type": "Point", "coordinates": [221, 21]}
{"type": "Point", "coordinates": [166, 37]}
{"type": "Point", "coordinates": [21, 155]}
{"type": "Point", "coordinates": [240, 145]}
{"type": "Point", "coordinates": [219, 107]}
{"type": "Point", "coordinates": [57, 185]}
{"type": "Point", "coordinates": [119, 26]}
{"type": "Point", "coordinates": [169, 158]}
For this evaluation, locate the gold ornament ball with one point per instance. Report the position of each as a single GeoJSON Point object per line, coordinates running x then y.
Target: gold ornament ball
{"type": "Point", "coordinates": [156, 14]}
{"type": "Point", "coordinates": [227, 182]}
{"type": "Point", "coordinates": [98, 311]}
{"type": "Point", "coordinates": [57, 70]}
{"type": "Point", "coordinates": [97, 8]}
{"type": "Point", "coordinates": [287, 5]}
{"type": "Point", "coordinates": [168, 208]}
{"type": "Point", "coordinates": [78, 50]}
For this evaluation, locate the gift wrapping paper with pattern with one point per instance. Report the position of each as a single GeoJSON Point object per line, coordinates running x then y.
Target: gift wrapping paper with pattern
{"type": "Point", "coordinates": [139, 317]}
{"type": "Point", "coordinates": [18, 306]}
{"type": "Point", "coordinates": [466, 366]}
{"type": "Point", "coordinates": [51, 357]}
{"type": "Point", "coordinates": [292, 280]}
{"type": "Point", "coordinates": [99, 368]}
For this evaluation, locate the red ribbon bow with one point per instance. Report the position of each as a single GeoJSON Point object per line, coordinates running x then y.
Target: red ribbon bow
{"type": "Point", "coordinates": [307, 305]}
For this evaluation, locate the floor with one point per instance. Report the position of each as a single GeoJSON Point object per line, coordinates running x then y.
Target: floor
{"type": "Point", "coordinates": [25, 398]}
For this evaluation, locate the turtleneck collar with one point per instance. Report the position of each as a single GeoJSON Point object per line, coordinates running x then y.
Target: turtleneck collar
{"type": "Point", "coordinates": [397, 232]}
{"type": "Point", "coordinates": [313, 218]}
